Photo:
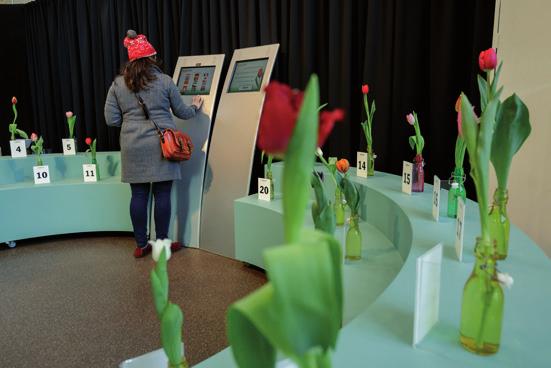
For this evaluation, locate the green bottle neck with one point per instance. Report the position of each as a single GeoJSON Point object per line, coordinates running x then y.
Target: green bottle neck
{"type": "Point", "coordinates": [485, 264]}
{"type": "Point", "coordinates": [354, 220]}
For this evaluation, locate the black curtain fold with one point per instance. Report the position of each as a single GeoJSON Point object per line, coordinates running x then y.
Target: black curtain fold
{"type": "Point", "coordinates": [415, 55]}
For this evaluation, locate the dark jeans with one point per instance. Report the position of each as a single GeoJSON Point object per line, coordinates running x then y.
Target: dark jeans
{"type": "Point", "coordinates": [138, 209]}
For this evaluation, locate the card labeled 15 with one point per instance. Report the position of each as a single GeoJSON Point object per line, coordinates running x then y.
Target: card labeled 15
{"type": "Point", "coordinates": [436, 199]}
{"type": "Point", "coordinates": [407, 177]}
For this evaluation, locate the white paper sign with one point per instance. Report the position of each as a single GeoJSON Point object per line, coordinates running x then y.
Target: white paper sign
{"type": "Point", "coordinates": [436, 199]}
{"type": "Point", "coordinates": [264, 189]}
{"type": "Point", "coordinates": [41, 174]}
{"type": "Point", "coordinates": [89, 173]}
{"type": "Point", "coordinates": [69, 148]}
{"type": "Point", "coordinates": [459, 228]}
{"type": "Point", "coordinates": [427, 292]}
{"type": "Point", "coordinates": [407, 177]}
{"type": "Point", "coordinates": [361, 169]}
{"type": "Point", "coordinates": [18, 148]}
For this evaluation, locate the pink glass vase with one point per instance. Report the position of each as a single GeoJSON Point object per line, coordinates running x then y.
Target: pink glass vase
{"type": "Point", "coordinates": [418, 174]}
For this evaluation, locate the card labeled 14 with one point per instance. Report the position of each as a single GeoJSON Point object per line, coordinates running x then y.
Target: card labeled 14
{"type": "Point", "coordinates": [264, 189]}
{"type": "Point", "coordinates": [459, 228]}
{"type": "Point", "coordinates": [407, 177]}
{"type": "Point", "coordinates": [41, 174]}
{"type": "Point", "coordinates": [89, 173]}
{"type": "Point", "coordinates": [436, 199]}
{"type": "Point", "coordinates": [361, 169]}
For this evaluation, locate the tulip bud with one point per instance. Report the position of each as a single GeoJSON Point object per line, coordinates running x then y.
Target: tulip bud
{"type": "Point", "coordinates": [319, 152]}
{"type": "Point", "coordinates": [88, 140]}
{"type": "Point", "coordinates": [14, 100]}
{"type": "Point", "coordinates": [34, 137]}
{"type": "Point", "coordinates": [487, 60]}
{"type": "Point", "coordinates": [158, 247]}
{"type": "Point", "coordinates": [365, 89]}
{"type": "Point", "coordinates": [343, 165]}
{"type": "Point", "coordinates": [69, 114]}
{"type": "Point", "coordinates": [410, 118]}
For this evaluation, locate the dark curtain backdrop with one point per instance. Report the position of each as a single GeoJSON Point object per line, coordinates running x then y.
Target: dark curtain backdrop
{"type": "Point", "coordinates": [415, 55]}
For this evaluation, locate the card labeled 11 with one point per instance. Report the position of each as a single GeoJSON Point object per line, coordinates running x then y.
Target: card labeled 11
{"type": "Point", "coordinates": [264, 189]}
{"type": "Point", "coordinates": [459, 228]}
{"type": "Point", "coordinates": [41, 174]}
{"type": "Point", "coordinates": [89, 172]}
{"type": "Point", "coordinates": [361, 169]}
{"type": "Point", "coordinates": [436, 199]}
{"type": "Point", "coordinates": [407, 177]}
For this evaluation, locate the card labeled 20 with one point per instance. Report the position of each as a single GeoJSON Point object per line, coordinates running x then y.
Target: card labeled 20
{"type": "Point", "coordinates": [264, 189]}
{"type": "Point", "coordinates": [41, 174]}
{"type": "Point", "coordinates": [18, 148]}
{"type": "Point", "coordinates": [68, 147]}
{"type": "Point", "coordinates": [89, 173]}
{"type": "Point", "coordinates": [361, 169]}
{"type": "Point", "coordinates": [407, 177]}
{"type": "Point", "coordinates": [436, 199]}
{"type": "Point", "coordinates": [459, 228]}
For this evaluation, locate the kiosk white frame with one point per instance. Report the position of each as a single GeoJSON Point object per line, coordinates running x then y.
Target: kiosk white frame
{"type": "Point", "coordinates": [231, 153]}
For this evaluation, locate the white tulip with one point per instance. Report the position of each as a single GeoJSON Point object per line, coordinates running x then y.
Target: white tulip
{"type": "Point", "coordinates": [158, 247]}
{"type": "Point", "coordinates": [319, 152]}
{"type": "Point", "coordinates": [505, 279]}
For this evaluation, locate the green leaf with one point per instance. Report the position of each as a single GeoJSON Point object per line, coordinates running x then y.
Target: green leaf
{"type": "Point", "coordinates": [351, 194]}
{"type": "Point", "coordinates": [412, 141]}
{"type": "Point", "coordinates": [171, 333]}
{"type": "Point", "coordinates": [483, 89]}
{"type": "Point", "coordinates": [299, 162]}
{"type": "Point", "coordinates": [71, 123]}
{"type": "Point", "coordinates": [460, 148]}
{"type": "Point", "coordinates": [421, 144]}
{"type": "Point", "coordinates": [322, 106]}
{"type": "Point", "coordinates": [512, 129]}
{"type": "Point", "coordinates": [22, 134]}
{"type": "Point", "coordinates": [159, 284]}
{"type": "Point", "coordinates": [262, 157]}
{"type": "Point", "coordinates": [323, 212]}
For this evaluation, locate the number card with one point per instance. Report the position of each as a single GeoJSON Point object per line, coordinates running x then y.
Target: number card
{"type": "Point", "coordinates": [407, 177]}
{"type": "Point", "coordinates": [69, 148]}
{"type": "Point", "coordinates": [41, 174]}
{"type": "Point", "coordinates": [18, 148]}
{"type": "Point", "coordinates": [264, 189]}
{"type": "Point", "coordinates": [361, 169]}
{"type": "Point", "coordinates": [436, 199]}
{"type": "Point", "coordinates": [89, 173]}
{"type": "Point", "coordinates": [459, 228]}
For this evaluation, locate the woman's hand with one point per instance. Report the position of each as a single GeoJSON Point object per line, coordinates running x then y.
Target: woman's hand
{"type": "Point", "coordinates": [197, 101]}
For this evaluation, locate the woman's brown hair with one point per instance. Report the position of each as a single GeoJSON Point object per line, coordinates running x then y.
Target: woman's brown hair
{"type": "Point", "coordinates": [139, 73]}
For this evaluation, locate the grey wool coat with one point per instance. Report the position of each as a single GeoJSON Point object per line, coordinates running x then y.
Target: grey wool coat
{"type": "Point", "coordinates": [141, 157]}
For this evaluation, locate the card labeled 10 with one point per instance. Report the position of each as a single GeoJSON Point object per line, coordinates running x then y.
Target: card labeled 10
{"type": "Point", "coordinates": [69, 148]}
{"type": "Point", "coordinates": [361, 169]}
{"type": "Point", "coordinates": [41, 174]}
{"type": "Point", "coordinates": [459, 228]}
{"type": "Point", "coordinates": [264, 189]}
{"type": "Point", "coordinates": [18, 148]}
{"type": "Point", "coordinates": [436, 199]}
{"type": "Point", "coordinates": [407, 177]}
{"type": "Point", "coordinates": [89, 173]}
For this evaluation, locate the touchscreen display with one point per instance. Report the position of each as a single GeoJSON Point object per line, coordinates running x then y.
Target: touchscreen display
{"type": "Point", "coordinates": [247, 75]}
{"type": "Point", "coordinates": [195, 80]}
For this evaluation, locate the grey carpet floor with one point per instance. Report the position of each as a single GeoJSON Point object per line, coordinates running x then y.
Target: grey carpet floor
{"type": "Point", "coordinates": [85, 301]}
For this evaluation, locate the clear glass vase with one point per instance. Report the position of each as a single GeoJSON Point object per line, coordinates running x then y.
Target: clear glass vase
{"type": "Point", "coordinates": [353, 246]}
{"type": "Point", "coordinates": [482, 305]}
{"type": "Point", "coordinates": [269, 176]}
{"type": "Point", "coordinates": [371, 156]}
{"type": "Point", "coordinates": [418, 184]}
{"type": "Point", "coordinates": [457, 191]}
{"type": "Point", "coordinates": [499, 223]}
{"type": "Point", "coordinates": [339, 207]}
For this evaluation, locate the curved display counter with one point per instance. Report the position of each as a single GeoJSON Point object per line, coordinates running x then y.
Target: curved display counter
{"type": "Point", "coordinates": [67, 204]}
{"type": "Point", "coordinates": [378, 326]}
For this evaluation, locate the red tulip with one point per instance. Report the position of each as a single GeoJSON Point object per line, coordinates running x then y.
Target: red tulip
{"type": "Point", "coordinates": [34, 137]}
{"type": "Point", "coordinates": [365, 89]}
{"type": "Point", "coordinates": [14, 100]}
{"type": "Point", "coordinates": [69, 114]}
{"type": "Point", "coordinates": [88, 140]}
{"type": "Point", "coordinates": [487, 60]}
{"type": "Point", "coordinates": [279, 115]}
{"type": "Point", "coordinates": [343, 165]}
{"type": "Point", "coordinates": [260, 72]}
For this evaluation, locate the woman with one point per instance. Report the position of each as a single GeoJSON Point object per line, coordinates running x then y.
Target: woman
{"type": "Point", "coordinates": [142, 163]}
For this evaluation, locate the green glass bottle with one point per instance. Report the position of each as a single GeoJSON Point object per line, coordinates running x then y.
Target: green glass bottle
{"type": "Point", "coordinates": [95, 162]}
{"type": "Point", "coordinates": [269, 176]}
{"type": "Point", "coordinates": [482, 305]}
{"type": "Point", "coordinates": [354, 240]}
{"type": "Point", "coordinates": [371, 162]}
{"type": "Point", "coordinates": [339, 207]}
{"type": "Point", "coordinates": [499, 223]}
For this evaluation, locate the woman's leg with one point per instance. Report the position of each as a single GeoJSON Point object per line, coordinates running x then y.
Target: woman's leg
{"type": "Point", "coordinates": [138, 211]}
{"type": "Point", "coordinates": [161, 193]}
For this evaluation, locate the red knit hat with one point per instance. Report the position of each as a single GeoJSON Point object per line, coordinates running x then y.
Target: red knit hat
{"type": "Point", "coordinates": [138, 46]}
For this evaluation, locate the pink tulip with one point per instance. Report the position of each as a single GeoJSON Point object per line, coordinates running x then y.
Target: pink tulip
{"type": "Point", "coordinates": [34, 137]}
{"type": "Point", "coordinates": [410, 118]}
{"type": "Point", "coordinates": [69, 114]}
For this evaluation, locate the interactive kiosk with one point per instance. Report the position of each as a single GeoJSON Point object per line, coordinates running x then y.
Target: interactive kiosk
{"type": "Point", "coordinates": [194, 75]}
{"type": "Point", "coordinates": [233, 144]}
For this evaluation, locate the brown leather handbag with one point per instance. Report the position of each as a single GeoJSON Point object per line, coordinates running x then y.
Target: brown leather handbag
{"type": "Point", "coordinates": [175, 145]}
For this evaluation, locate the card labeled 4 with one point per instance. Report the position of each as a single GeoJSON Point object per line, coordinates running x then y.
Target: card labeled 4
{"type": "Point", "coordinates": [427, 293]}
{"type": "Point", "coordinates": [459, 228]}
{"type": "Point", "coordinates": [264, 189]}
{"type": "Point", "coordinates": [18, 148]}
{"type": "Point", "coordinates": [89, 173]}
{"type": "Point", "coordinates": [41, 174]}
{"type": "Point", "coordinates": [407, 177]}
{"type": "Point", "coordinates": [361, 169]}
{"type": "Point", "coordinates": [436, 199]}
{"type": "Point", "coordinates": [69, 147]}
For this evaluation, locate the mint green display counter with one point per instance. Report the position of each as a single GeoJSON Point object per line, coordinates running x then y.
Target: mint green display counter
{"type": "Point", "coordinates": [380, 290]}
{"type": "Point", "coordinates": [67, 204]}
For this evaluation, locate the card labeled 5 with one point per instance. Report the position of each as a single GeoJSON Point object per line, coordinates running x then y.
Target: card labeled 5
{"type": "Point", "coordinates": [69, 148]}
{"type": "Point", "coordinates": [407, 177]}
{"type": "Point", "coordinates": [361, 169]}
{"type": "Point", "coordinates": [89, 173]}
{"type": "Point", "coordinates": [41, 174]}
{"type": "Point", "coordinates": [264, 189]}
{"type": "Point", "coordinates": [436, 199]}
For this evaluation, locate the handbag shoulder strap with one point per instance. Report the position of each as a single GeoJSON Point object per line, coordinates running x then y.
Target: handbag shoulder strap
{"type": "Point", "coordinates": [146, 113]}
